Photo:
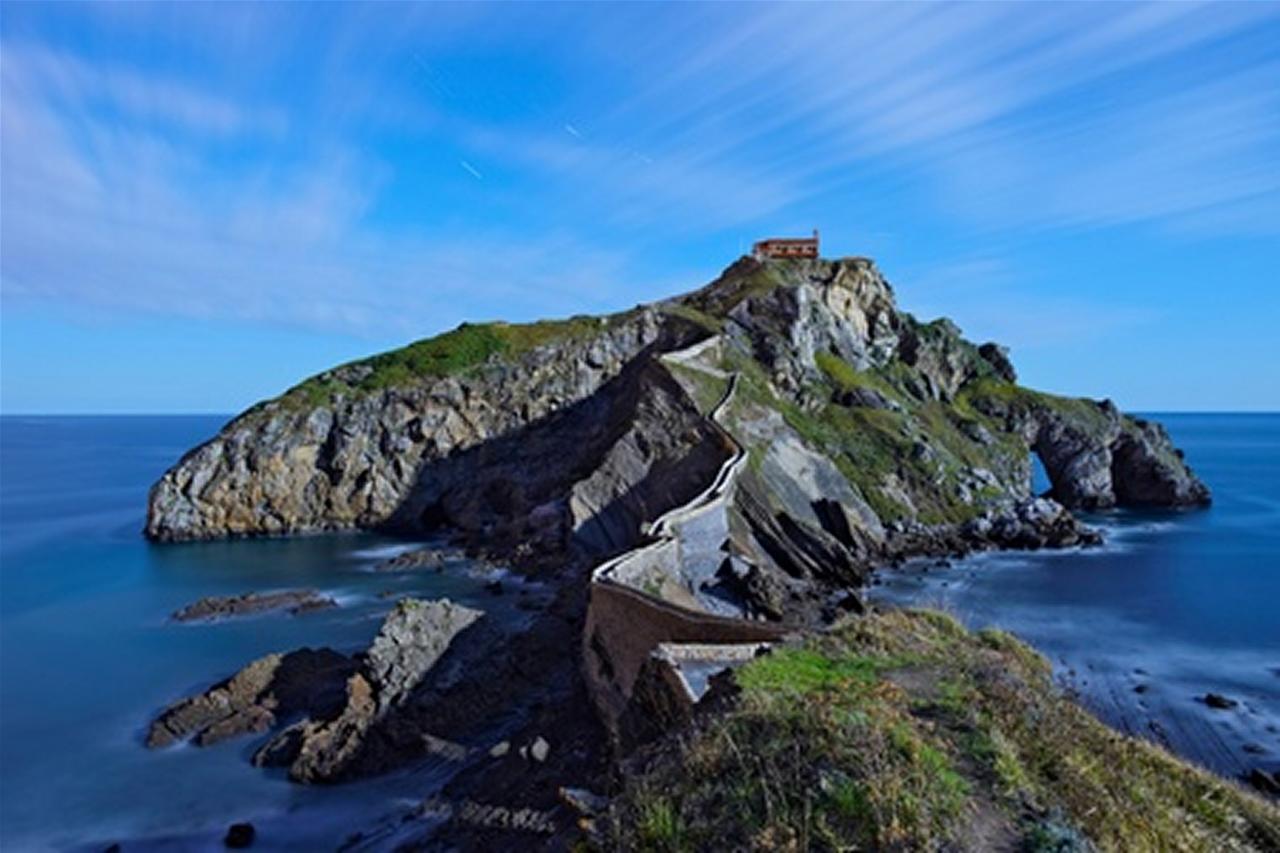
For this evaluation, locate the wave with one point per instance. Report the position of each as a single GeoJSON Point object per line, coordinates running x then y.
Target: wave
{"type": "Point", "coordinates": [386, 552]}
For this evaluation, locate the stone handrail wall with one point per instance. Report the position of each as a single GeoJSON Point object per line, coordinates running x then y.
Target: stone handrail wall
{"type": "Point", "coordinates": [626, 624]}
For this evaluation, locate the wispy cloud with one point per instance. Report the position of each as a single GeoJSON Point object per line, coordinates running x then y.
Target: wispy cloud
{"type": "Point", "coordinates": [1007, 118]}
{"type": "Point", "coordinates": [101, 213]}
{"type": "Point", "coordinates": [131, 95]}
{"type": "Point", "coordinates": [150, 189]}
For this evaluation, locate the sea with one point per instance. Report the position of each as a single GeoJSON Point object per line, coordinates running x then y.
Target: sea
{"type": "Point", "coordinates": [1176, 604]}
{"type": "Point", "coordinates": [89, 655]}
{"type": "Point", "coordinates": [1173, 606]}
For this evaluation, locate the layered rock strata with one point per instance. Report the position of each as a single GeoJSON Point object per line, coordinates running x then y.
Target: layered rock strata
{"type": "Point", "coordinates": [342, 700]}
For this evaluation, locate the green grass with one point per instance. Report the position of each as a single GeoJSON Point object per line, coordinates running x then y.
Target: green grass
{"type": "Point", "coordinates": [454, 352]}
{"type": "Point", "coordinates": [693, 315]}
{"type": "Point", "coordinates": [869, 445]}
{"type": "Point", "coordinates": [989, 395]}
{"type": "Point", "coordinates": [896, 732]}
{"type": "Point", "coordinates": [659, 826]}
{"type": "Point", "coordinates": [705, 389]}
{"type": "Point", "coordinates": [717, 299]}
{"type": "Point", "coordinates": [802, 671]}
{"type": "Point", "coordinates": [847, 377]}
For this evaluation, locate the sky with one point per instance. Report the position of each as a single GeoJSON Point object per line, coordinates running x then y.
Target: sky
{"type": "Point", "coordinates": [200, 205]}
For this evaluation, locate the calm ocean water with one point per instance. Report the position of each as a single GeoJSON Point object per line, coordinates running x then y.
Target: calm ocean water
{"type": "Point", "coordinates": [1174, 605]}
{"type": "Point", "coordinates": [87, 654]}
{"type": "Point", "coordinates": [1180, 602]}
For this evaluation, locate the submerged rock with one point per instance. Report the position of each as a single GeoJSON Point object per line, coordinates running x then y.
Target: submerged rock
{"type": "Point", "coordinates": [213, 608]}
{"type": "Point", "coordinates": [1219, 702]}
{"type": "Point", "coordinates": [423, 558]}
{"type": "Point", "coordinates": [239, 836]}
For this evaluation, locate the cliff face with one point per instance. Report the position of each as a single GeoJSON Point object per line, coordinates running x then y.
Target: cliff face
{"type": "Point", "coordinates": [865, 428]}
{"type": "Point", "coordinates": [344, 448]}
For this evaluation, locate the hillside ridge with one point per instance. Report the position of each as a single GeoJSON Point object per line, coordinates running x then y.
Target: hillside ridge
{"type": "Point", "coordinates": [855, 377]}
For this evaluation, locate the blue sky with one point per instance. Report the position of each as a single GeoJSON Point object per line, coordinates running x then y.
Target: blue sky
{"type": "Point", "coordinates": [200, 205]}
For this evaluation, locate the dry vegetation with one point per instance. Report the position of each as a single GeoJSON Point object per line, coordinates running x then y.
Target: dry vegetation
{"type": "Point", "coordinates": [903, 731]}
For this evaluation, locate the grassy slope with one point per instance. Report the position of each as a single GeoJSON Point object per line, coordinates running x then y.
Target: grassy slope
{"type": "Point", "coordinates": [453, 352]}
{"type": "Point", "coordinates": [904, 731]}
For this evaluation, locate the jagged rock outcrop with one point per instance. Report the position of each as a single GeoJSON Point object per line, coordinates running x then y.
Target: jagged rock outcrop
{"type": "Point", "coordinates": [270, 689]}
{"type": "Point", "coordinates": [582, 480]}
{"type": "Point", "coordinates": [414, 637]}
{"type": "Point", "coordinates": [1095, 456]}
{"type": "Point", "coordinates": [716, 468]}
{"type": "Point", "coordinates": [857, 435]}
{"type": "Point", "coordinates": [1147, 470]}
{"type": "Point", "coordinates": [845, 309]}
{"type": "Point", "coordinates": [341, 699]}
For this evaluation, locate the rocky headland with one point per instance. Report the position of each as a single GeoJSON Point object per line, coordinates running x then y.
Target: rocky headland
{"type": "Point", "coordinates": [697, 479]}
{"type": "Point", "coordinates": [870, 433]}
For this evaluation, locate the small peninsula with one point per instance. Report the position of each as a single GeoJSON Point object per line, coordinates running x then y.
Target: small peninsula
{"type": "Point", "coordinates": [704, 486]}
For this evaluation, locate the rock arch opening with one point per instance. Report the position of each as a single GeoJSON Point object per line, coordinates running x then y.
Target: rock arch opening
{"type": "Point", "coordinates": [1041, 485]}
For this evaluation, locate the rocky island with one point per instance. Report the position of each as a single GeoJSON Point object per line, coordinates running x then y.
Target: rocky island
{"type": "Point", "coordinates": [706, 484]}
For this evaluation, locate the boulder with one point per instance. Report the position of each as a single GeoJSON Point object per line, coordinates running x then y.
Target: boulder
{"type": "Point", "coordinates": [867, 398]}
{"type": "Point", "coordinates": [998, 357]}
{"type": "Point", "coordinates": [413, 637]}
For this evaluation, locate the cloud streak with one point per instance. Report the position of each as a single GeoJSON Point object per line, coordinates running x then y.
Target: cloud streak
{"type": "Point", "coordinates": [104, 210]}
{"type": "Point", "coordinates": [978, 98]}
{"type": "Point", "coordinates": [143, 188]}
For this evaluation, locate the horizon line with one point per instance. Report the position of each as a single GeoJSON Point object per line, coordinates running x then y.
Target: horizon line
{"type": "Point", "coordinates": [1136, 411]}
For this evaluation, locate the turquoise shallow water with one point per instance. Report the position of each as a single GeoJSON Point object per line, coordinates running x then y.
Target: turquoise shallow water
{"type": "Point", "coordinates": [87, 654]}
{"type": "Point", "coordinates": [1174, 605]}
